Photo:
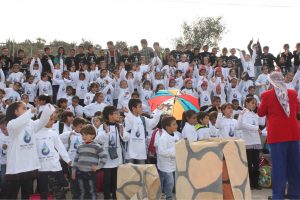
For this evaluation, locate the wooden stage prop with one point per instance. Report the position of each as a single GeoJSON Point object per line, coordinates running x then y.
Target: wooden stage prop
{"type": "Point", "coordinates": [212, 169]}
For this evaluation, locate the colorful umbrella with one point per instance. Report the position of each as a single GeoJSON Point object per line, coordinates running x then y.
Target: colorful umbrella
{"type": "Point", "coordinates": [175, 102]}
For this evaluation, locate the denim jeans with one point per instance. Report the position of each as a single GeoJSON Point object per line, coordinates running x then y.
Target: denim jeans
{"type": "Point", "coordinates": [285, 169]}
{"type": "Point", "coordinates": [167, 183]}
{"type": "Point", "coordinates": [87, 184]}
{"type": "Point", "coordinates": [2, 180]}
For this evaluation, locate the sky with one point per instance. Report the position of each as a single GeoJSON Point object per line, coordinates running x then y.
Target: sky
{"type": "Point", "coordinates": [272, 21]}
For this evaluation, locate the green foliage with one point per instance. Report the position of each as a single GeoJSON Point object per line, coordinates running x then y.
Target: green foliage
{"type": "Point", "coordinates": [202, 31]}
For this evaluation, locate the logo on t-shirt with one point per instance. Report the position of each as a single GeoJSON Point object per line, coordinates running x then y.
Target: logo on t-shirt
{"type": "Point", "coordinates": [137, 134]}
{"type": "Point", "coordinates": [76, 143]}
{"type": "Point", "coordinates": [234, 95]}
{"type": "Point", "coordinates": [45, 149]}
{"type": "Point", "coordinates": [205, 98]}
{"type": "Point", "coordinates": [27, 137]}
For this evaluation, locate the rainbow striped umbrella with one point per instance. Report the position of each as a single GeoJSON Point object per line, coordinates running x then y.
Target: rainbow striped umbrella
{"type": "Point", "coordinates": [175, 103]}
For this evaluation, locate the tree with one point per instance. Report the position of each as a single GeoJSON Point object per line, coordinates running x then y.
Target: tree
{"type": "Point", "coordinates": [120, 45]}
{"type": "Point", "coordinates": [202, 31]}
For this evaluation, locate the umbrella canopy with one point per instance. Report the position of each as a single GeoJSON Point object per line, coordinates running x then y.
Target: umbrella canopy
{"type": "Point", "coordinates": [174, 102]}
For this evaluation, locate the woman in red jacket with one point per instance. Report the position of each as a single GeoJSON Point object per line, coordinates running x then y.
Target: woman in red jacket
{"type": "Point", "coordinates": [281, 106]}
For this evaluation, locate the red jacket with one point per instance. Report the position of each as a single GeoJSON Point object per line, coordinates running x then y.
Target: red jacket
{"type": "Point", "coordinates": [280, 128]}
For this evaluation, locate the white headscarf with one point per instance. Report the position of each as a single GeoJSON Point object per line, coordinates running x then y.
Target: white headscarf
{"type": "Point", "coordinates": [277, 80]}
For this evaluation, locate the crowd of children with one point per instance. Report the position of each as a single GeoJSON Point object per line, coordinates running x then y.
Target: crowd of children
{"type": "Point", "coordinates": [102, 117]}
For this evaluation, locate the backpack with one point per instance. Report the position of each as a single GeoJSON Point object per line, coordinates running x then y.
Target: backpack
{"type": "Point", "coordinates": [151, 148]}
{"type": "Point", "coordinates": [61, 126]}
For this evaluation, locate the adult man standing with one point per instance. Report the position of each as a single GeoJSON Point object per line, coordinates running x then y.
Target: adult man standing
{"type": "Point", "coordinates": [281, 106]}
{"type": "Point", "coordinates": [146, 51]}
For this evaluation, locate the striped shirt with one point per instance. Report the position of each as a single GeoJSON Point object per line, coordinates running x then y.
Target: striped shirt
{"type": "Point", "coordinates": [88, 155]}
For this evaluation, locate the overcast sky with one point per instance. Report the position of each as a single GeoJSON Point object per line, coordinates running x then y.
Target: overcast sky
{"type": "Point", "coordinates": [274, 22]}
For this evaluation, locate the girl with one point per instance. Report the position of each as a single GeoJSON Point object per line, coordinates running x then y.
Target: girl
{"type": "Point", "coordinates": [25, 99]}
{"type": "Point", "coordinates": [124, 95]}
{"type": "Point", "coordinates": [65, 122]}
{"type": "Point", "coordinates": [188, 88]}
{"type": "Point", "coordinates": [88, 98]}
{"type": "Point", "coordinates": [63, 83]}
{"type": "Point", "coordinates": [202, 127]}
{"type": "Point", "coordinates": [82, 88]}
{"type": "Point", "coordinates": [244, 84]}
{"type": "Point", "coordinates": [98, 105]}
{"type": "Point", "coordinates": [30, 88]}
{"type": "Point", "coordinates": [70, 94]}
{"type": "Point", "coordinates": [172, 84]}
{"type": "Point", "coordinates": [233, 92]}
{"type": "Point", "coordinates": [183, 65]}
{"type": "Point", "coordinates": [226, 125]}
{"type": "Point", "coordinates": [57, 71]}
{"type": "Point", "coordinates": [262, 81]}
{"type": "Point", "coordinates": [44, 86]}
{"type": "Point", "coordinates": [146, 93]}
{"type": "Point", "coordinates": [22, 156]}
{"type": "Point", "coordinates": [189, 120]}
{"type": "Point", "coordinates": [249, 124]}
{"type": "Point", "coordinates": [179, 79]}
{"type": "Point", "coordinates": [50, 149]}
{"type": "Point", "coordinates": [36, 68]}
{"type": "Point", "coordinates": [204, 94]}
{"type": "Point", "coordinates": [248, 63]}
{"type": "Point", "coordinates": [15, 75]}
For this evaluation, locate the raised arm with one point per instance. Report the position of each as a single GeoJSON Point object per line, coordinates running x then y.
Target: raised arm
{"type": "Point", "coordinates": [47, 112]}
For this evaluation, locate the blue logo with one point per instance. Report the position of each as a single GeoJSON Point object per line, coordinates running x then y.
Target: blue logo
{"type": "Point", "coordinates": [146, 97]}
{"type": "Point", "coordinates": [44, 89]}
{"type": "Point", "coordinates": [28, 92]}
{"type": "Point", "coordinates": [76, 143]}
{"type": "Point", "coordinates": [63, 88]}
{"type": "Point", "coordinates": [82, 87]}
{"type": "Point", "coordinates": [234, 95]}
{"type": "Point", "coordinates": [45, 149]}
{"type": "Point", "coordinates": [3, 152]}
{"type": "Point", "coordinates": [57, 76]}
{"type": "Point", "coordinates": [138, 134]}
{"type": "Point", "coordinates": [205, 98]}
{"type": "Point", "coordinates": [27, 137]}
{"type": "Point", "coordinates": [231, 132]}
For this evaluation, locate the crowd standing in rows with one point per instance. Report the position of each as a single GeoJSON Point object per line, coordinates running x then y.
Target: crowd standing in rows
{"type": "Point", "coordinates": [102, 117]}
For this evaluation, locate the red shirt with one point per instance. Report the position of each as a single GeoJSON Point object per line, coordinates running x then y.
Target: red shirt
{"type": "Point", "coordinates": [280, 128]}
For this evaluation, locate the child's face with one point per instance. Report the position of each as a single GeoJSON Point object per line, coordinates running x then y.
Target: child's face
{"type": "Point", "coordinates": [52, 120]}
{"type": "Point", "coordinates": [161, 87]}
{"type": "Point", "coordinates": [192, 120]}
{"type": "Point", "coordinates": [232, 73]}
{"type": "Point", "coordinates": [189, 84]}
{"type": "Point", "coordinates": [228, 111]}
{"type": "Point", "coordinates": [158, 75]}
{"type": "Point", "coordinates": [172, 128]}
{"type": "Point", "coordinates": [247, 57]}
{"type": "Point", "coordinates": [205, 121]}
{"type": "Point", "coordinates": [213, 120]}
{"type": "Point", "coordinates": [103, 73]}
{"type": "Point", "coordinates": [216, 103]}
{"type": "Point", "coordinates": [265, 70]}
{"type": "Point", "coordinates": [69, 91]}
{"type": "Point", "coordinates": [183, 58]}
{"type": "Point", "coordinates": [138, 109]}
{"type": "Point", "coordinates": [45, 78]}
{"type": "Point", "coordinates": [172, 83]}
{"type": "Point", "coordinates": [35, 67]}
{"type": "Point", "coordinates": [72, 68]}
{"type": "Point", "coordinates": [251, 91]}
{"type": "Point", "coordinates": [16, 87]}
{"type": "Point", "coordinates": [232, 51]}
{"type": "Point", "coordinates": [251, 105]}
{"type": "Point", "coordinates": [75, 102]}
{"type": "Point", "coordinates": [78, 128]}
{"type": "Point", "coordinates": [87, 138]}
{"type": "Point", "coordinates": [205, 61]}
{"type": "Point", "coordinates": [235, 105]}
{"type": "Point", "coordinates": [57, 66]}
{"type": "Point", "coordinates": [204, 87]}
{"type": "Point", "coordinates": [16, 68]}
{"type": "Point", "coordinates": [81, 77]}
{"type": "Point", "coordinates": [94, 89]}
{"type": "Point", "coordinates": [97, 122]}
{"type": "Point", "coordinates": [64, 105]}
{"type": "Point", "coordinates": [21, 109]}
{"type": "Point", "coordinates": [202, 72]}
{"type": "Point", "coordinates": [30, 80]}
{"type": "Point", "coordinates": [100, 98]}
{"type": "Point", "coordinates": [70, 119]}
{"type": "Point", "coordinates": [25, 99]}
{"type": "Point", "coordinates": [114, 117]}
{"type": "Point", "coordinates": [147, 86]}
{"type": "Point", "coordinates": [123, 84]}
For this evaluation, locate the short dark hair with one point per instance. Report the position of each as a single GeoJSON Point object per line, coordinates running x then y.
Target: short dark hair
{"type": "Point", "coordinates": [11, 109]}
{"type": "Point", "coordinates": [166, 121]}
{"type": "Point", "coordinates": [79, 120]}
{"type": "Point", "coordinates": [108, 110]}
{"type": "Point", "coordinates": [110, 43]}
{"type": "Point", "coordinates": [216, 98]}
{"type": "Point", "coordinates": [46, 49]}
{"type": "Point", "coordinates": [133, 103]}
{"type": "Point", "coordinates": [45, 98]}
{"type": "Point", "coordinates": [201, 115]}
{"type": "Point", "coordinates": [60, 101]}
{"type": "Point", "coordinates": [88, 130]}
{"type": "Point", "coordinates": [144, 41]}
{"type": "Point", "coordinates": [75, 97]}
{"type": "Point", "coordinates": [65, 115]}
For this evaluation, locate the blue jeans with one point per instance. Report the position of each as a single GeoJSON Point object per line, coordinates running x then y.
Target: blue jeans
{"type": "Point", "coordinates": [167, 183]}
{"type": "Point", "coordinates": [87, 184]}
{"type": "Point", "coordinates": [2, 179]}
{"type": "Point", "coordinates": [285, 169]}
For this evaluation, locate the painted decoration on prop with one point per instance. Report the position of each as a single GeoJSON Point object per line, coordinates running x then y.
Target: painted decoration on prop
{"type": "Point", "coordinates": [212, 169]}
{"type": "Point", "coordinates": [138, 182]}
{"type": "Point", "coordinates": [174, 102]}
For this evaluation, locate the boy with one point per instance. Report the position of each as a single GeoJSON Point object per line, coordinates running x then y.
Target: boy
{"type": "Point", "coordinates": [89, 158]}
{"type": "Point", "coordinates": [75, 108]}
{"type": "Point", "coordinates": [136, 126]}
{"type": "Point", "coordinates": [166, 154]}
{"type": "Point", "coordinates": [71, 140]}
